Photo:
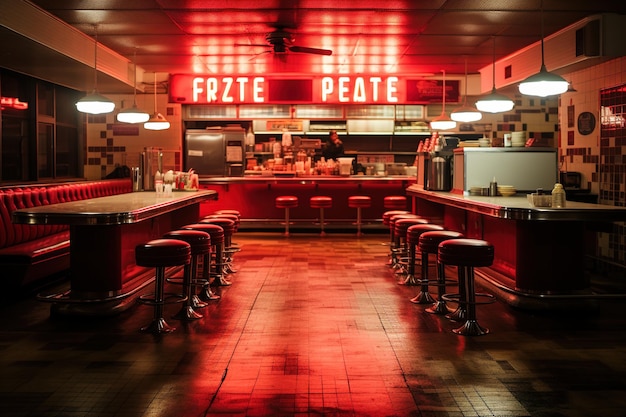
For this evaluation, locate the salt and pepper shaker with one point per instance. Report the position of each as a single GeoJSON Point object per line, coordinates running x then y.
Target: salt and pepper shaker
{"type": "Point", "coordinates": [493, 187]}
{"type": "Point", "coordinates": [558, 196]}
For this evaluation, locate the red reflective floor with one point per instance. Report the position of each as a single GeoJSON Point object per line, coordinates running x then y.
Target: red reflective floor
{"type": "Point", "coordinates": [313, 326]}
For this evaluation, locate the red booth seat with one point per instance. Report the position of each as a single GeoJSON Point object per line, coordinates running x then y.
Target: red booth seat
{"type": "Point", "coordinates": [30, 253]}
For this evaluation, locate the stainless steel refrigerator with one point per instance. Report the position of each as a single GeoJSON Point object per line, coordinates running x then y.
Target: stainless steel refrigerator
{"type": "Point", "coordinates": [216, 152]}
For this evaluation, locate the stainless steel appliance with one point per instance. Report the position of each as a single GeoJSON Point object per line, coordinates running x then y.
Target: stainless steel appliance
{"type": "Point", "coordinates": [215, 151]}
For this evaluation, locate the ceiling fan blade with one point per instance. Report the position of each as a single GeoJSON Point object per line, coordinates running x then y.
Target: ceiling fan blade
{"type": "Point", "coordinates": [307, 50]}
{"type": "Point", "coordinates": [260, 45]}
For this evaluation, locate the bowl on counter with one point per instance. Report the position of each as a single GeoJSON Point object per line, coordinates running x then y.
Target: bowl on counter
{"type": "Point", "coordinates": [539, 200]}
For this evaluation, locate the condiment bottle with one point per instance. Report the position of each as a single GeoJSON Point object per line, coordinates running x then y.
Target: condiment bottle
{"type": "Point", "coordinates": [558, 196]}
{"type": "Point", "coordinates": [493, 187]}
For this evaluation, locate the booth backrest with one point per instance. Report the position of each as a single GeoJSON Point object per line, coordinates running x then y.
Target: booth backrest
{"type": "Point", "coordinates": [14, 198]}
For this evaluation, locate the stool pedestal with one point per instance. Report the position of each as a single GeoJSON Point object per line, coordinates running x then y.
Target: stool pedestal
{"type": "Point", "coordinates": [321, 202]}
{"type": "Point", "coordinates": [286, 202]}
{"type": "Point", "coordinates": [429, 244]}
{"type": "Point", "coordinates": [160, 254]}
{"type": "Point", "coordinates": [359, 202]}
{"type": "Point", "coordinates": [467, 254]}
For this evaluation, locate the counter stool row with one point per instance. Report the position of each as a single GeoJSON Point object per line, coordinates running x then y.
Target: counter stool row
{"type": "Point", "coordinates": [450, 248]}
{"type": "Point", "coordinates": [182, 248]}
{"type": "Point", "coordinates": [322, 202]}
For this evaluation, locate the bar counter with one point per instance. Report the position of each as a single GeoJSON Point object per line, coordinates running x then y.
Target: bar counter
{"type": "Point", "coordinates": [539, 251]}
{"type": "Point", "coordinates": [104, 231]}
{"type": "Point", "coordinates": [254, 195]}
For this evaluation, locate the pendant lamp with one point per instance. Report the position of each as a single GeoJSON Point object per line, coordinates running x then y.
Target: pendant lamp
{"type": "Point", "coordinates": [465, 113]}
{"type": "Point", "coordinates": [443, 122]}
{"type": "Point", "coordinates": [133, 114]}
{"type": "Point", "coordinates": [544, 83]}
{"type": "Point", "coordinates": [157, 121]}
{"type": "Point", "coordinates": [95, 103]}
{"type": "Point", "coordinates": [494, 102]}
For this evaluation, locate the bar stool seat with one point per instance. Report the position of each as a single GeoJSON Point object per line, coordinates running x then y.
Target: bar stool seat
{"type": "Point", "coordinates": [224, 261]}
{"type": "Point", "coordinates": [237, 223]}
{"type": "Point", "coordinates": [286, 202]}
{"type": "Point", "coordinates": [393, 249]}
{"type": "Point", "coordinates": [413, 234]}
{"type": "Point", "coordinates": [211, 269]}
{"type": "Point", "coordinates": [200, 243]}
{"type": "Point", "coordinates": [161, 254]}
{"type": "Point", "coordinates": [428, 243]}
{"type": "Point", "coordinates": [394, 202]}
{"type": "Point", "coordinates": [467, 254]}
{"type": "Point", "coordinates": [401, 250]}
{"type": "Point", "coordinates": [321, 202]}
{"type": "Point", "coordinates": [359, 202]}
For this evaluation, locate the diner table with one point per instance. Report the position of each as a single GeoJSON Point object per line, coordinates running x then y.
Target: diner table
{"type": "Point", "coordinates": [104, 278]}
{"type": "Point", "coordinates": [540, 252]}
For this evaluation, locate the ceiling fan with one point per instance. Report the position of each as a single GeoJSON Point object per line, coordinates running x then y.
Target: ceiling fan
{"type": "Point", "coordinates": [281, 41]}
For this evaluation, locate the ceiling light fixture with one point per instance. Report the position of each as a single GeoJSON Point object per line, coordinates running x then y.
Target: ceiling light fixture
{"type": "Point", "coordinates": [95, 103]}
{"type": "Point", "coordinates": [543, 83]}
{"type": "Point", "coordinates": [133, 114]}
{"type": "Point", "coordinates": [465, 113]}
{"type": "Point", "coordinates": [443, 122]}
{"type": "Point", "coordinates": [494, 102]}
{"type": "Point", "coordinates": [157, 121]}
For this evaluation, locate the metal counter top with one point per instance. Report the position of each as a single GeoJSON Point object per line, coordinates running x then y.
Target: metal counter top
{"type": "Point", "coordinates": [288, 178]}
{"type": "Point", "coordinates": [517, 207]}
{"type": "Point", "coordinates": [111, 210]}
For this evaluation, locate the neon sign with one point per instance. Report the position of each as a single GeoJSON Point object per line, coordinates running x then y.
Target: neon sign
{"type": "Point", "coordinates": [326, 89]}
{"type": "Point", "coordinates": [12, 103]}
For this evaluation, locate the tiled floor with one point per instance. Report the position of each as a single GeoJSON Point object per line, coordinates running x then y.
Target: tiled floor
{"type": "Point", "coordinates": [313, 326]}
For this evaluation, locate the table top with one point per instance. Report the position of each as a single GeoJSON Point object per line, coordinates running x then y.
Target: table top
{"type": "Point", "coordinates": [517, 207]}
{"type": "Point", "coordinates": [111, 210]}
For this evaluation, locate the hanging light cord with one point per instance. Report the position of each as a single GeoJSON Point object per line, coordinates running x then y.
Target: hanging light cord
{"type": "Point", "coordinates": [135, 76]}
{"type": "Point", "coordinates": [155, 94]}
{"type": "Point", "coordinates": [443, 89]}
{"type": "Point", "coordinates": [493, 68]}
{"type": "Point", "coordinates": [95, 58]}
{"type": "Point", "coordinates": [543, 65]}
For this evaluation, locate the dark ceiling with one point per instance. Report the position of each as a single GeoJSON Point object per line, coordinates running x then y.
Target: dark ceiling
{"type": "Point", "coordinates": [365, 36]}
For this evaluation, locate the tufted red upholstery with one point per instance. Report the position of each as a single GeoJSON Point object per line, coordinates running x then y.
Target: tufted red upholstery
{"type": "Point", "coordinates": [31, 252]}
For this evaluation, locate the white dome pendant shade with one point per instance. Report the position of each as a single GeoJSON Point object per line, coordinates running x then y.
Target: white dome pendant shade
{"type": "Point", "coordinates": [544, 83]}
{"type": "Point", "coordinates": [133, 114]}
{"type": "Point", "coordinates": [443, 122]}
{"type": "Point", "coordinates": [95, 103]}
{"type": "Point", "coordinates": [157, 121]}
{"type": "Point", "coordinates": [494, 102]}
{"type": "Point", "coordinates": [466, 114]}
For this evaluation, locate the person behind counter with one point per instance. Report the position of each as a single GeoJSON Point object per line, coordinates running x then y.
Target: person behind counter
{"type": "Point", "coordinates": [333, 148]}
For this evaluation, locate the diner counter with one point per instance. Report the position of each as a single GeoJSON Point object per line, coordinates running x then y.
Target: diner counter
{"type": "Point", "coordinates": [517, 207]}
{"type": "Point", "coordinates": [116, 209]}
{"type": "Point", "coordinates": [540, 252]}
{"type": "Point", "coordinates": [254, 197]}
{"type": "Point", "coordinates": [104, 231]}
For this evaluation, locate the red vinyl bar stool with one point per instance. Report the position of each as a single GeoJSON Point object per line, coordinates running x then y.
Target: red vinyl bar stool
{"type": "Point", "coordinates": [394, 249]}
{"type": "Point", "coordinates": [321, 202]}
{"type": "Point", "coordinates": [359, 202]}
{"type": "Point", "coordinates": [200, 243]}
{"type": "Point", "coordinates": [402, 251]}
{"type": "Point", "coordinates": [231, 212]}
{"type": "Point", "coordinates": [467, 254]}
{"type": "Point", "coordinates": [229, 247]}
{"type": "Point", "coordinates": [161, 254]}
{"type": "Point", "coordinates": [223, 259]}
{"type": "Point", "coordinates": [394, 202]}
{"type": "Point", "coordinates": [211, 269]}
{"type": "Point", "coordinates": [286, 202]}
{"type": "Point", "coordinates": [413, 233]}
{"type": "Point", "coordinates": [429, 244]}
{"type": "Point", "coordinates": [387, 215]}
